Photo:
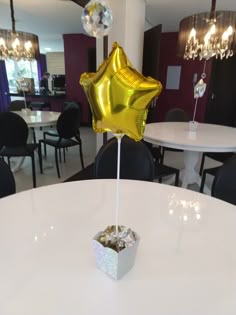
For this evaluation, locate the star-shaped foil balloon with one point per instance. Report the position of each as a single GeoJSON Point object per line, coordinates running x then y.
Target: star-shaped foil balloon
{"type": "Point", "coordinates": [119, 95]}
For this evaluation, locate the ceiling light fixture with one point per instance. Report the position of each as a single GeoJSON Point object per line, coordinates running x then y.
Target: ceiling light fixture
{"type": "Point", "coordinates": [207, 35]}
{"type": "Point", "coordinates": [18, 45]}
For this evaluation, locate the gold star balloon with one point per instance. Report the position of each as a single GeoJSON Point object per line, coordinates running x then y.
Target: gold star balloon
{"type": "Point", "coordinates": [119, 95]}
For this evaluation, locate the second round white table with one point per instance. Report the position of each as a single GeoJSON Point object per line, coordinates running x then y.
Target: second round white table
{"type": "Point", "coordinates": [35, 119]}
{"type": "Point", "coordinates": [206, 138]}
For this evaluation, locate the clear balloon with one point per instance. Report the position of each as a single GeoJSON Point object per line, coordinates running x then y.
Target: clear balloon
{"type": "Point", "coordinates": [97, 18]}
{"type": "Point", "coordinates": [199, 89]}
{"type": "Point", "coordinates": [119, 95]}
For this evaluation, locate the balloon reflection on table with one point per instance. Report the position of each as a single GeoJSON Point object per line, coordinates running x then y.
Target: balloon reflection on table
{"type": "Point", "coordinates": [183, 212]}
{"type": "Point", "coordinates": [44, 235]}
{"type": "Point", "coordinates": [184, 216]}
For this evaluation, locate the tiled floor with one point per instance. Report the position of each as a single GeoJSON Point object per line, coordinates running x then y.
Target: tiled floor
{"type": "Point", "coordinates": [24, 178]}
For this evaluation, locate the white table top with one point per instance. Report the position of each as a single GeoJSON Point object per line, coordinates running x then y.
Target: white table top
{"type": "Point", "coordinates": [39, 118]}
{"type": "Point", "coordinates": [185, 264]}
{"type": "Point", "coordinates": [207, 138]}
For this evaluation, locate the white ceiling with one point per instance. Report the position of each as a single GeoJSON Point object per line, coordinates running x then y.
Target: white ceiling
{"type": "Point", "coordinates": [49, 19]}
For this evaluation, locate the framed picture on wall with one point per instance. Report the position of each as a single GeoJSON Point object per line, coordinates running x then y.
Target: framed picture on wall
{"type": "Point", "coordinates": [173, 77]}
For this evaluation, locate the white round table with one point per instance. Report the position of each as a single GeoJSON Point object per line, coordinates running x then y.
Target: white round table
{"type": "Point", "coordinates": [39, 118]}
{"type": "Point", "coordinates": [185, 263]}
{"type": "Point", "coordinates": [35, 119]}
{"type": "Point", "coordinates": [207, 138]}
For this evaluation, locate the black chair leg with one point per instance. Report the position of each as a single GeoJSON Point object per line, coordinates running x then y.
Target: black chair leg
{"type": "Point", "coordinates": [81, 155]}
{"type": "Point", "coordinates": [57, 164]}
{"type": "Point", "coordinates": [44, 144]}
{"type": "Point", "coordinates": [202, 164]}
{"type": "Point", "coordinates": [177, 179]}
{"type": "Point", "coordinates": [9, 161]}
{"type": "Point", "coordinates": [34, 136]}
{"type": "Point", "coordinates": [40, 157]}
{"type": "Point", "coordinates": [33, 170]}
{"type": "Point", "coordinates": [160, 180]}
{"type": "Point", "coordinates": [60, 155]}
{"type": "Point", "coordinates": [203, 181]}
{"type": "Point", "coordinates": [64, 154]}
{"type": "Point", "coordinates": [162, 150]}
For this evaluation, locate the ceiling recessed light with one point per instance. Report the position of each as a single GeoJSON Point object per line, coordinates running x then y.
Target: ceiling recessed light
{"type": "Point", "coordinates": [47, 48]}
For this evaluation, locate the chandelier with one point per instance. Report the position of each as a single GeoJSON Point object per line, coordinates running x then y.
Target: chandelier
{"type": "Point", "coordinates": [207, 35]}
{"type": "Point", "coordinates": [17, 45]}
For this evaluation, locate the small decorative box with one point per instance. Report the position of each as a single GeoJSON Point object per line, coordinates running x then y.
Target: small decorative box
{"type": "Point", "coordinates": [115, 255]}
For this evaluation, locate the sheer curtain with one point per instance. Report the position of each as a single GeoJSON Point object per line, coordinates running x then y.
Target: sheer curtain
{"type": "Point", "coordinates": [42, 65]}
{"type": "Point", "coordinates": [4, 89]}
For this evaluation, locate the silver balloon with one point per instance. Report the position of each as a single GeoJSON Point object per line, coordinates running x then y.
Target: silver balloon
{"type": "Point", "coordinates": [199, 89]}
{"type": "Point", "coordinates": [97, 18]}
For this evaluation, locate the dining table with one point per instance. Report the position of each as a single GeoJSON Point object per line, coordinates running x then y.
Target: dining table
{"type": "Point", "coordinates": [185, 262]}
{"type": "Point", "coordinates": [180, 135]}
{"type": "Point", "coordinates": [35, 119]}
{"type": "Point", "coordinates": [38, 118]}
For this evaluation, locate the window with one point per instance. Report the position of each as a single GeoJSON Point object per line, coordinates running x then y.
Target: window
{"type": "Point", "coordinates": [18, 69]}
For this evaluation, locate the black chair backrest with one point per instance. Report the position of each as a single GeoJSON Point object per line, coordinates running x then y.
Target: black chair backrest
{"type": "Point", "coordinates": [136, 161]}
{"type": "Point", "coordinates": [7, 181]}
{"type": "Point", "coordinates": [18, 105]}
{"type": "Point", "coordinates": [219, 156]}
{"type": "Point", "coordinates": [176, 114]}
{"type": "Point", "coordinates": [13, 130]}
{"type": "Point", "coordinates": [224, 183]}
{"type": "Point", "coordinates": [77, 105]}
{"type": "Point", "coordinates": [68, 105]}
{"type": "Point", "coordinates": [68, 123]}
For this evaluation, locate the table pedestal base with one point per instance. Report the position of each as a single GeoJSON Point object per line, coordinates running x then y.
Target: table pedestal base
{"type": "Point", "coordinates": [189, 175]}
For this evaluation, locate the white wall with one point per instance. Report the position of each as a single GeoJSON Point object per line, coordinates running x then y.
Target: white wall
{"type": "Point", "coordinates": [128, 28]}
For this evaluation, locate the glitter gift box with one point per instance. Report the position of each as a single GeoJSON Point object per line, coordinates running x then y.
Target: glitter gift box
{"type": "Point", "coordinates": [115, 263]}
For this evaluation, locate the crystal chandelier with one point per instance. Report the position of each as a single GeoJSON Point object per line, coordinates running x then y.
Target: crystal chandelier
{"type": "Point", "coordinates": [207, 35]}
{"type": "Point", "coordinates": [17, 45]}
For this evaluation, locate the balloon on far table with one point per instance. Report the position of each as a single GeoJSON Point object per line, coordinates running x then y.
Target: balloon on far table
{"type": "Point", "coordinates": [199, 89]}
{"type": "Point", "coordinates": [97, 18]}
{"type": "Point", "coordinates": [119, 95]}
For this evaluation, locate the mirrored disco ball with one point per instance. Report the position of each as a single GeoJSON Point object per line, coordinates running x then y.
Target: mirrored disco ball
{"type": "Point", "coordinates": [97, 18]}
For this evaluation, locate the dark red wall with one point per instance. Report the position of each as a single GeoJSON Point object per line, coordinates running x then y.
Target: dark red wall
{"type": "Point", "coordinates": [182, 98]}
{"type": "Point", "coordinates": [76, 62]}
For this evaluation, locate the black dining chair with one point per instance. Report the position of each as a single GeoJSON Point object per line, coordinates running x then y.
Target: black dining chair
{"type": "Point", "coordinates": [177, 114]}
{"type": "Point", "coordinates": [136, 161]}
{"type": "Point", "coordinates": [174, 115]}
{"type": "Point", "coordinates": [216, 156]}
{"type": "Point", "coordinates": [208, 171]}
{"type": "Point", "coordinates": [68, 130]}
{"type": "Point", "coordinates": [54, 133]}
{"type": "Point", "coordinates": [224, 183]}
{"type": "Point", "coordinates": [7, 180]}
{"type": "Point", "coordinates": [161, 170]}
{"type": "Point", "coordinates": [18, 105]}
{"type": "Point", "coordinates": [13, 139]}
{"type": "Point", "coordinates": [219, 157]}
